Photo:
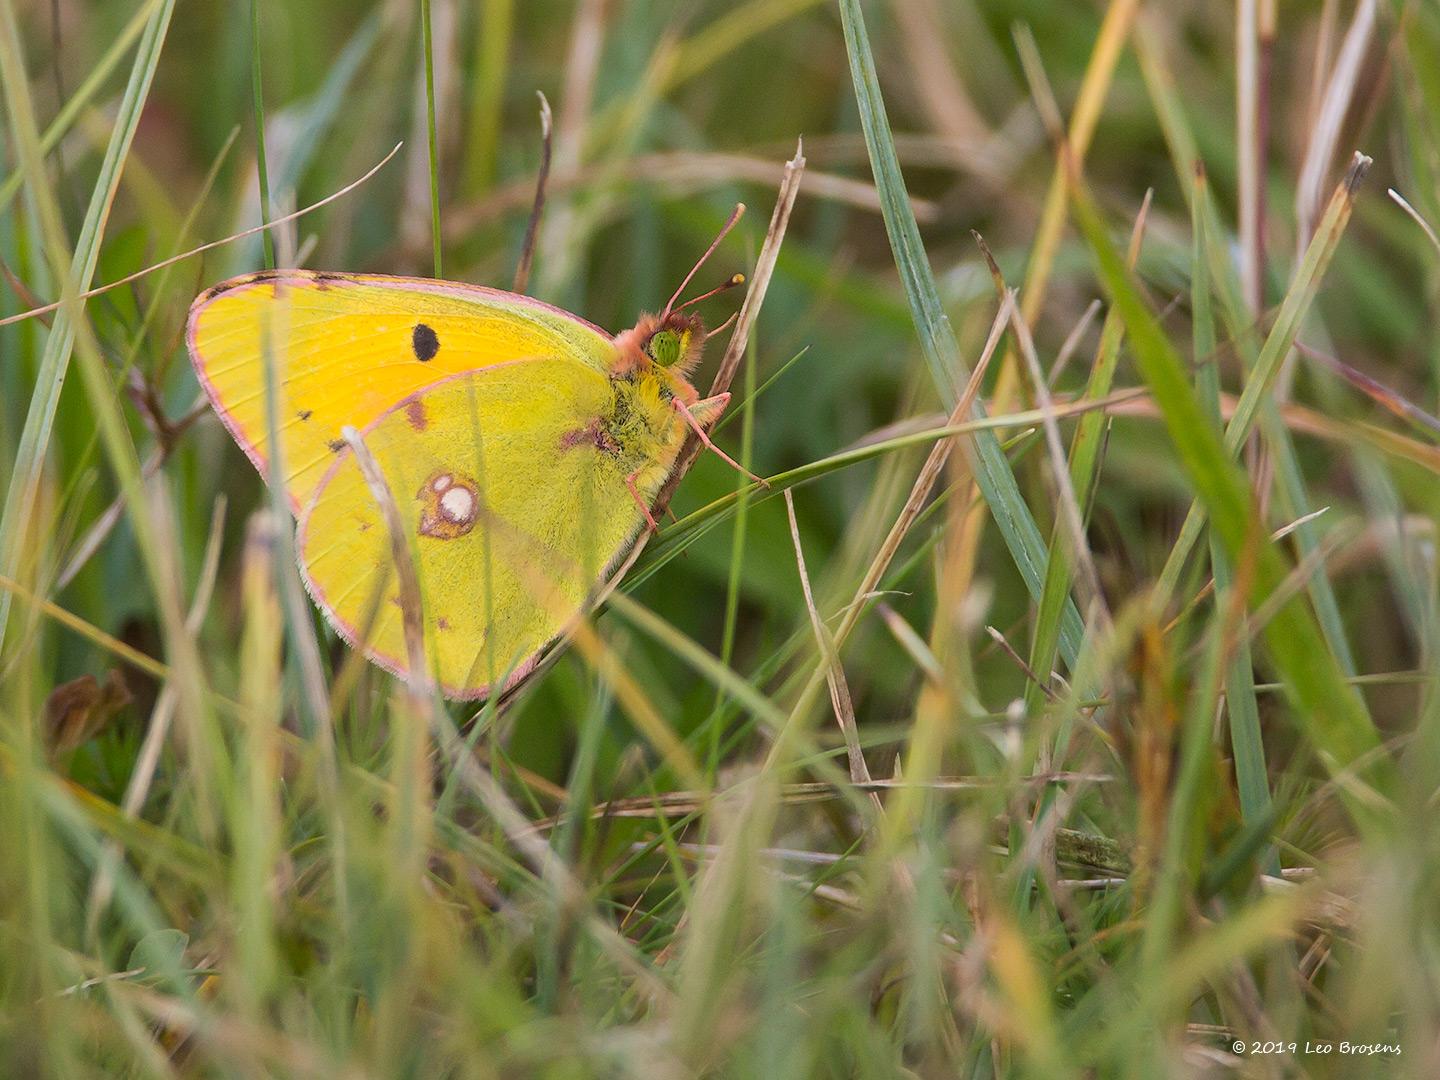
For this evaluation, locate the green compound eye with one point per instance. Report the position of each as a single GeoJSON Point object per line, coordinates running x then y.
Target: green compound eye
{"type": "Point", "coordinates": [664, 347]}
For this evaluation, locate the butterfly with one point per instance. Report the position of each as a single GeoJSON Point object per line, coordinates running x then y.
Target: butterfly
{"type": "Point", "coordinates": [523, 446]}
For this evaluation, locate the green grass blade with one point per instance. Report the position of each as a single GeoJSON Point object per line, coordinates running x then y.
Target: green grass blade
{"type": "Point", "coordinates": [1085, 450]}
{"type": "Point", "coordinates": [1185, 157]}
{"type": "Point", "coordinates": [1293, 499]}
{"type": "Point", "coordinates": [937, 339]}
{"type": "Point", "coordinates": [1294, 502]}
{"type": "Point", "coordinates": [673, 538]}
{"type": "Point", "coordinates": [55, 359]}
{"type": "Point", "coordinates": [429, 48]}
{"type": "Point", "coordinates": [1251, 775]}
{"type": "Point", "coordinates": [495, 24]}
{"type": "Point", "coordinates": [262, 171]}
{"type": "Point", "coordinates": [1277, 346]}
{"type": "Point", "coordinates": [1326, 708]}
{"type": "Point", "coordinates": [75, 104]}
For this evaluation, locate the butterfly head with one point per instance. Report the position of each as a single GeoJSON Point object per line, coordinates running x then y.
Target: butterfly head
{"type": "Point", "coordinates": [674, 338]}
{"type": "Point", "coordinates": [675, 342]}
{"type": "Point", "coordinates": [672, 342]}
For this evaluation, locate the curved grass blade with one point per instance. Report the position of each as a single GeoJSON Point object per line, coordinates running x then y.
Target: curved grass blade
{"type": "Point", "coordinates": [1327, 709]}
{"type": "Point", "coordinates": [684, 532]}
{"type": "Point", "coordinates": [1277, 346]}
{"type": "Point", "coordinates": [1295, 502]}
{"type": "Point", "coordinates": [937, 339]}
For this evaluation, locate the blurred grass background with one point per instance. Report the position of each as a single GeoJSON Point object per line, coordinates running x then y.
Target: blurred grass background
{"type": "Point", "coordinates": [228, 848]}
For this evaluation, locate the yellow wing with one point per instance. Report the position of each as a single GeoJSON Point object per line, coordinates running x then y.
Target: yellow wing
{"type": "Point", "coordinates": [516, 505]}
{"type": "Point", "coordinates": [347, 347]}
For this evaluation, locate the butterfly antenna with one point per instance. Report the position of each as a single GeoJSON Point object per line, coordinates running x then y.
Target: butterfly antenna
{"type": "Point", "coordinates": [729, 283]}
{"type": "Point", "coordinates": [729, 224]}
{"type": "Point", "coordinates": [724, 325]}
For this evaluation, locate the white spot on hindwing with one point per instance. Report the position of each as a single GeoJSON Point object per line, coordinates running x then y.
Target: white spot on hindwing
{"type": "Point", "coordinates": [458, 504]}
{"type": "Point", "coordinates": [449, 504]}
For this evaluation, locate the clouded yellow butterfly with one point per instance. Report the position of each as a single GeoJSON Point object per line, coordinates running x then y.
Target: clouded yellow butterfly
{"type": "Point", "coordinates": [523, 446]}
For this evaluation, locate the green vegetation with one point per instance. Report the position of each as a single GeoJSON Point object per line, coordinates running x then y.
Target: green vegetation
{"type": "Point", "coordinates": [1065, 707]}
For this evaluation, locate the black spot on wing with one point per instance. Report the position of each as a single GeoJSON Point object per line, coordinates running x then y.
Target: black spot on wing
{"type": "Point", "coordinates": [336, 445]}
{"type": "Point", "coordinates": [424, 342]}
{"type": "Point", "coordinates": [305, 414]}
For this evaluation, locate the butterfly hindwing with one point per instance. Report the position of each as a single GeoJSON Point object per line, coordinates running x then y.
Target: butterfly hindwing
{"type": "Point", "coordinates": [347, 347]}
{"type": "Point", "coordinates": [514, 507]}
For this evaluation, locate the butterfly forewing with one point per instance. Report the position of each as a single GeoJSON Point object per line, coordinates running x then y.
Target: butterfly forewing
{"type": "Point", "coordinates": [347, 347]}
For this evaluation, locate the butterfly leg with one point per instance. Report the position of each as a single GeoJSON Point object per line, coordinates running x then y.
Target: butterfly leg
{"type": "Point", "coordinates": [715, 404]}
{"type": "Point", "coordinates": [644, 509]}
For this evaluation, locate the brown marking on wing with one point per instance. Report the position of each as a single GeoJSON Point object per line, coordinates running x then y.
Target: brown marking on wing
{"type": "Point", "coordinates": [593, 434]}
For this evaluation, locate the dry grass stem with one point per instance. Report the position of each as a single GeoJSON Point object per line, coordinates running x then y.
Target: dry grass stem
{"type": "Point", "coordinates": [834, 670]}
